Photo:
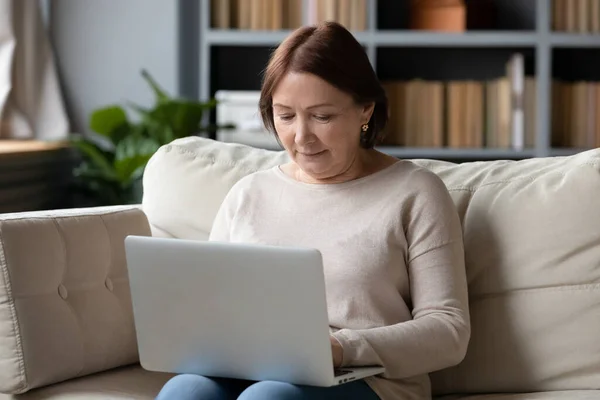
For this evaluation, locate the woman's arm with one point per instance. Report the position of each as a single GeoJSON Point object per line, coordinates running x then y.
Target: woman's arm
{"type": "Point", "coordinates": [220, 227]}
{"type": "Point", "coordinates": [222, 224]}
{"type": "Point", "coordinates": [438, 335]}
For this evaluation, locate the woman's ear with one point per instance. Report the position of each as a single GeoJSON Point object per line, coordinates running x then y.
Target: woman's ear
{"type": "Point", "coordinates": [367, 112]}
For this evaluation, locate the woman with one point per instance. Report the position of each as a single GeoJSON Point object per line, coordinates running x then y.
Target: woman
{"type": "Point", "coordinates": [388, 230]}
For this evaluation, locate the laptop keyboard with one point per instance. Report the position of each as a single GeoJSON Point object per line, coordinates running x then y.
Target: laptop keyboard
{"type": "Point", "coordinates": [340, 372]}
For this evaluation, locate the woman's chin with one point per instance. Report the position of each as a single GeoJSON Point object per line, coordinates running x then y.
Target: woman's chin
{"type": "Point", "coordinates": [315, 171]}
{"type": "Point", "coordinates": [316, 162]}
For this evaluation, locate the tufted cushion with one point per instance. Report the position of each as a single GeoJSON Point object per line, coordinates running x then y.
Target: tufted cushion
{"type": "Point", "coordinates": [65, 308]}
{"type": "Point", "coordinates": [532, 242]}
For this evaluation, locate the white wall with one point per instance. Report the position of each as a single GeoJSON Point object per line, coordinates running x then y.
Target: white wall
{"type": "Point", "coordinates": [101, 46]}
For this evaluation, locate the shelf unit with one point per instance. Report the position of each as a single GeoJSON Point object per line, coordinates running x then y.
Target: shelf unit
{"type": "Point", "coordinates": [540, 40]}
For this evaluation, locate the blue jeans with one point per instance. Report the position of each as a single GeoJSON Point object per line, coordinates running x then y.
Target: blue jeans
{"type": "Point", "coordinates": [195, 387]}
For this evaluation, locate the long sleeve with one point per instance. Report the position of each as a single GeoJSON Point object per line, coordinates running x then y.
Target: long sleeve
{"type": "Point", "coordinates": [220, 231]}
{"type": "Point", "coordinates": [439, 332]}
{"type": "Point", "coordinates": [221, 227]}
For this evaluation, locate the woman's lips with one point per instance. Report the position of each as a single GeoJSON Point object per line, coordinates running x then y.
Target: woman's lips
{"type": "Point", "coordinates": [313, 154]}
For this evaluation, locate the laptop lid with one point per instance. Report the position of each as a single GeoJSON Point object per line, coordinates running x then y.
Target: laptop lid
{"type": "Point", "coordinates": [230, 310]}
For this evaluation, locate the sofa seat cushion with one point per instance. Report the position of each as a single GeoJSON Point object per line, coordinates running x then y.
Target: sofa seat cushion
{"type": "Point", "coordinates": [131, 382]}
{"type": "Point", "coordinates": [561, 395]}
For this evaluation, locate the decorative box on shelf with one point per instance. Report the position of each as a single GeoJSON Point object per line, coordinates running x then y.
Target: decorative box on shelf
{"type": "Point", "coordinates": [240, 108]}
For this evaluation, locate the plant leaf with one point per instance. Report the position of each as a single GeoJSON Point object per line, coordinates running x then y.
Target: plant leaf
{"type": "Point", "coordinates": [159, 132]}
{"type": "Point", "coordinates": [143, 112]}
{"type": "Point", "coordinates": [85, 171]}
{"type": "Point", "coordinates": [133, 153]}
{"type": "Point", "coordinates": [95, 183]}
{"type": "Point", "coordinates": [128, 169]}
{"type": "Point", "coordinates": [184, 117]}
{"type": "Point", "coordinates": [96, 156]}
{"type": "Point", "coordinates": [160, 94]}
{"type": "Point", "coordinates": [109, 121]}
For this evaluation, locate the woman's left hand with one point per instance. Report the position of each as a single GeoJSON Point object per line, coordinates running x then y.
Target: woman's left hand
{"type": "Point", "coordinates": [338, 352]}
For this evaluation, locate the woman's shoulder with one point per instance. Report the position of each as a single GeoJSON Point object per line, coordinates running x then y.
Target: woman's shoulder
{"type": "Point", "coordinates": [254, 181]}
{"type": "Point", "coordinates": [412, 177]}
{"type": "Point", "coordinates": [425, 190]}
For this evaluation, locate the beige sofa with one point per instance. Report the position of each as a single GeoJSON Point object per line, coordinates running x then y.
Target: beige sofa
{"type": "Point", "coordinates": [532, 235]}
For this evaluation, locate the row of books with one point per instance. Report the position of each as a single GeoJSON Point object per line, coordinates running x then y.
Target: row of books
{"type": "Point", "coordinates": [576, 16]}
{"type": "Point", "coordinates": [498, 113]}
{"type": "Point", "coordinates": [286, 14]}
{"type": "Point", "coordinates": [350, 13]}
{"type": "Point", "coordinates": [473, 114]}
{"type": "Point", "coordinates": [576, 114]}
{"type": "Point", "coordinates": [460, 114]}
{"type": "Point", "coordinates": [256, 14]}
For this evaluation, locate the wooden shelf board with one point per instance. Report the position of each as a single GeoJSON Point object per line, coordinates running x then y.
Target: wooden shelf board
{"type": "Point", "coordinates": [10, 146]}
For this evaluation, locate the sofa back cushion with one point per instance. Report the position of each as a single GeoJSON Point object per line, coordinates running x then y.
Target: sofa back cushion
{"type": "Point", "coordinates": [186, 181]}
{"type": "Point", "coordinates": [65, 306]}
{"type": "Point", "coordinates": [532, 251]}
{"type": "Point", "coordinates": [532, 243]}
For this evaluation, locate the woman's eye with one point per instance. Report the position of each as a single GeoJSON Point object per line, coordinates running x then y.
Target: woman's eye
{"type": "Point", "coordinates": [286, 117]}
{"type": "Point", "coordinates": [322, 118]}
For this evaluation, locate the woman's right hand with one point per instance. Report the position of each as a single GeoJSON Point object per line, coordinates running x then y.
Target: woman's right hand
{"type": "Point", "coordinates": [338, 352]}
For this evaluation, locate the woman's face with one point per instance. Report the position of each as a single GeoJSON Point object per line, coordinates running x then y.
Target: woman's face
{"type": "Point", "coordinates": [318, 125]}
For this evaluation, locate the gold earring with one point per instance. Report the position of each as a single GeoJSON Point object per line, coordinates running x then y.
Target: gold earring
{"type": "Point", "coordinates": [365, 127]}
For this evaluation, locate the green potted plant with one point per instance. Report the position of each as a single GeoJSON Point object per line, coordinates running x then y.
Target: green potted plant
{"type": "Point", "coordinates": [113, 161]}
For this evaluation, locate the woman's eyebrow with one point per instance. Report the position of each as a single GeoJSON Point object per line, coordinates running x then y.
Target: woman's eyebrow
{"type": "Point", "coordinates": [308, 108]}
{"type": "Point", "coordinates": [320, 105]}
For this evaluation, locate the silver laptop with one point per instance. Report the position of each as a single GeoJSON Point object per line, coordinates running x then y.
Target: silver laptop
{"type": "Point", "coordinates": [229, 310]}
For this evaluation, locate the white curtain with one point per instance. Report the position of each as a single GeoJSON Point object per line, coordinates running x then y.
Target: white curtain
{"type": "Point", "coordinates": [31, 104]}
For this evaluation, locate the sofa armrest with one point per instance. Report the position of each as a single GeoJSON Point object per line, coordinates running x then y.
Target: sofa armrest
{"type": "Point", "coordinates": [65, 307]}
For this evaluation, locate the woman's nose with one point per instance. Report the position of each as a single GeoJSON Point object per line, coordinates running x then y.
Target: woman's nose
{"type": "Point", "coordinates": [302, 132]}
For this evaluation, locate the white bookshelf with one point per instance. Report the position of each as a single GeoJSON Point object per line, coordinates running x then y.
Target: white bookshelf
{"type": "Point", "coordinates": [539, 40]}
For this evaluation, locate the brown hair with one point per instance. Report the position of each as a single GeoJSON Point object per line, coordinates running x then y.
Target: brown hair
{"type": "Point", "coordinates": [331, 52]}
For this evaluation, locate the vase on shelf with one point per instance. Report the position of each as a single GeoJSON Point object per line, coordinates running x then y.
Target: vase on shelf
{"type": "Point", "coordinates": [438, 15]}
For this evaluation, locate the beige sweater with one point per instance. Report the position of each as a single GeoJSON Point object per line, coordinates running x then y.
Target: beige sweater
{"type": "Point", "coordinates": [393, 258]}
